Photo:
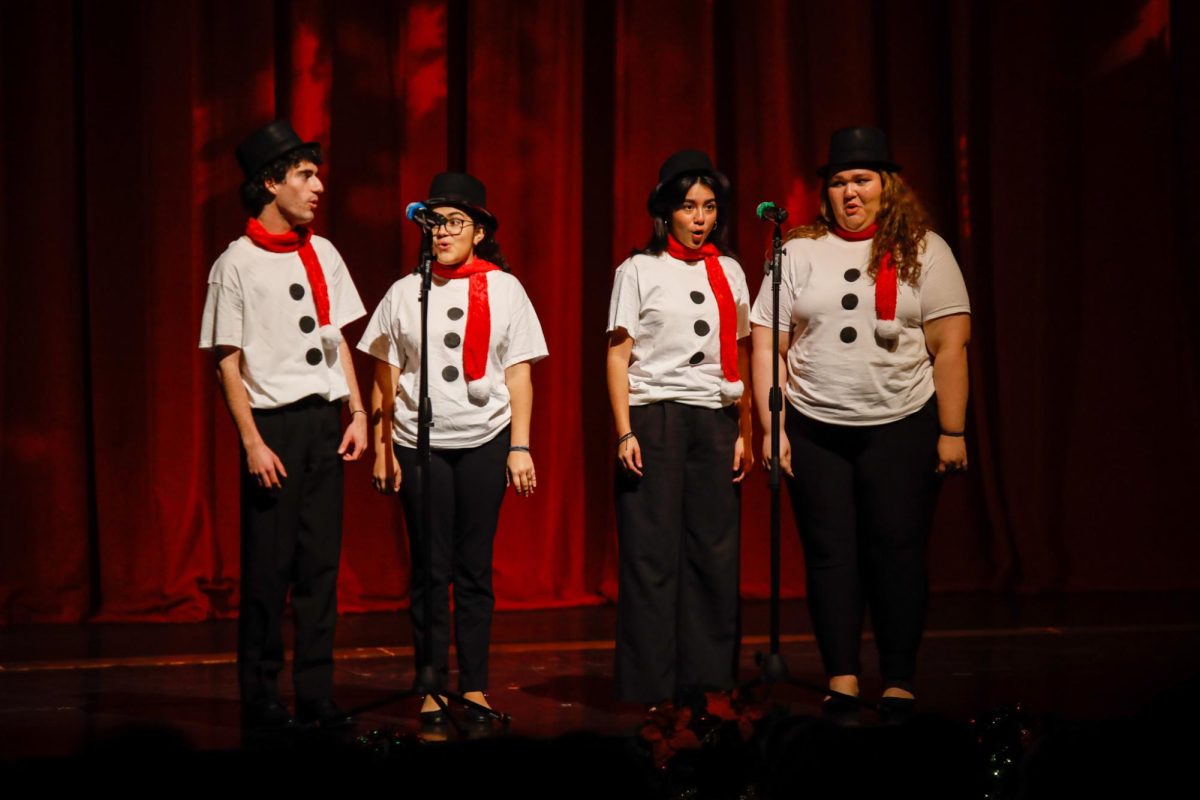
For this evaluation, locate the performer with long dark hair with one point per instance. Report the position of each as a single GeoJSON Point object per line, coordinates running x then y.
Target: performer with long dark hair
{"type": "Point", "coordinates": [874, 324]}
{"type": "Point", "coordinates": [678, 322]}
{"type": "Point", "coordinates": [483, 337]}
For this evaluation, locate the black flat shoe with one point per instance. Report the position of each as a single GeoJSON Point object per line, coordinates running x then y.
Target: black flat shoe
{"type": "Point", "coordinates": [435, 717]}
{"type": "Point", "coordinates": [267, 717]}
{"type": "Point", "coordinates": [896, 710]}
{"type": "Point", "coordinates": [478, 714]}
{"type": "Point", "coordinates": [324, 714]}
{"type": "Point", "coordinates": [842, 709]}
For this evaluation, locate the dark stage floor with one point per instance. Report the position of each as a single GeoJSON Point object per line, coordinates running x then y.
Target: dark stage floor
{"type": "Point", "coordinates": [1078, 657]}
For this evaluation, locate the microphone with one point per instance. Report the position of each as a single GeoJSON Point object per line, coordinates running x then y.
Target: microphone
{"type": "Point", "coordinates": [424, 216]}
{"type": "Point", "coordinates": [769, 212]}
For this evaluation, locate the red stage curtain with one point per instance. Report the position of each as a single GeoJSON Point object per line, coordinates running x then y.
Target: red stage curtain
{"type": "Point", "coordinates": [1054, 150]}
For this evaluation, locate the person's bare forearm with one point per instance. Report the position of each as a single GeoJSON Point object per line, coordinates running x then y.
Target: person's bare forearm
{"type": "Point", "coordinates": [355, 399]}
{"type": "Point", "coordinates": [760, 370]}
{"type": "Point", "coordinates": [618, 384]}
{"type": "Point", "coordinates": [519, 382]}
{"type": "Point", "coordinates": [383, 406]}
{"type": "Point", "coordinates": [237, 399]}
{"type": "Point", "coordinates": [950, 381]}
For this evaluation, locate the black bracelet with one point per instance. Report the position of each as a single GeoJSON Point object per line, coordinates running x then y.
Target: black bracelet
{"type": "Point", "coordinates": [625, 438]}
{"type": "Point", "coordinates": [956, 434]}
{"type": "Point", "coordinates": [518, 448]}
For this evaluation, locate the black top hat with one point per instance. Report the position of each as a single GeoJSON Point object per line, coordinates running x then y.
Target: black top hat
{"type": "Point", "coordinates": [269, 143]}
{"type": "Point", "coordinates": [462, 191]}
{"type": "Point", "coordinates": [858, 147]}
{"type": "Point", "coordinates": [685, 162]}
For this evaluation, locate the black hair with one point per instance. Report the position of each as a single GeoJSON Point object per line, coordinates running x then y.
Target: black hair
{"type": "Point", "coordinates": [254, 193]}
{"type": "Point", "coordinates": [671, 197]}
{"type": "Point", "coordinates": [489, 250]}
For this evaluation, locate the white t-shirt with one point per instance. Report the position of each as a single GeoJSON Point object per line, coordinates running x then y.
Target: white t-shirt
{"type": "Point", "coordinates": [668, 309]}
{"type": "Point", "coordinates": [260, 303]}
{"type": "Point", "coordinates": [838, 370]}
{"type": "Point", "coordinates": [394, 336]}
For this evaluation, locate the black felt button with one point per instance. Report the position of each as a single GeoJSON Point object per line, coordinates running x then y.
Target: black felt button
{"type": "Point", "coordinates": [697, 297]}
{"type": "Point", "coordinates": [701, 327]}
{"type": "Point", "coordinates": [455, 313]}
{"type": "Point", "coordinates": [308, 324]}
{"type": "Point", "coordinates": [314, 356]}
{"type": "Point", "coordinates": [852, 275]}
{"type": "Point", "coordinates": [452, 339]}
{"type": "Point", "coordinates": [849, 335]}
{"type": "Point", "coordinates": [297, 291]}
{"type": "Point", "coordinates": [450, 374]}
{"type": "Point", "coordinates": [696, 359]}
{"type": "Point", "coordinates": [849, 301]}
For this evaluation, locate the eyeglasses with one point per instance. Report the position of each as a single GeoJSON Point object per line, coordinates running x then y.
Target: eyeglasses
{"type": "Point", "coordinates": [454, 225]}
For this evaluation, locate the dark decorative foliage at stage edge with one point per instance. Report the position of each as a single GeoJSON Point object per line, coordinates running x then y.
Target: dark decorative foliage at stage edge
{"type": "Point", "coordinates": [702, 746]}
{"type": "Point", "coordinates": [1004, 736]}
{"type": "Point", "coordinates": [388, 741]}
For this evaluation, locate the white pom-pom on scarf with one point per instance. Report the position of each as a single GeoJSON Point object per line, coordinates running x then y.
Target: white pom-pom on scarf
{"type": "Point", "coordinates": [331, 337]}
{"type": "Point", "coordinates": [479, 390]}
{"type": "Point", "coordinates": [888, 328]}
{"type": "Point", "coordinates": [732, 391]}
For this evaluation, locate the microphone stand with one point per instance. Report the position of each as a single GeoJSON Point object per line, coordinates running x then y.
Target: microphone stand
{"type": "Point", "coordinates": [774, 668]}
{"type": "Point", "coordinates": [427, 680]}
{"type": "Point", "coordinates": [771, 665]}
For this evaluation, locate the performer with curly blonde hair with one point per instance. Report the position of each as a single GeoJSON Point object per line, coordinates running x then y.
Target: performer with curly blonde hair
{"type": "Point", "coordinates": [874, 324]}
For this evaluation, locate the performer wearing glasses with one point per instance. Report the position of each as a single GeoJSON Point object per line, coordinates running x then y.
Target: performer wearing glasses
{"type": "Point", "coordinates": [483, 337]}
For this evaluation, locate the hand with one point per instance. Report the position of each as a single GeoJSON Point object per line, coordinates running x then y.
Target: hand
{"type": "Point", "coordinates": [519, 473]}
{"type": "Point", "coordinates": [743, 458]}
{"type": "Point", "coordinates": [785, 453]}
{"type": "Point", "coordinates": [265, 466]}
{"type": "Point", "coordinates": [629, 453]}
{"type": "Point", "coordinates": [354, 443]}
{"type": "Point", "coordinates": [385, 477]}
{"type": "Point", "coordinates": [952, 454]}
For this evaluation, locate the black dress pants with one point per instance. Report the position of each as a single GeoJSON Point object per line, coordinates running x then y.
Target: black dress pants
{"type": "Point", "coordinates": [678, 530]}
{"type": "Point", "coordinates": [468, 488]}
{"type": "Point", "coordinates": [292, 537]}
{"type": "Point", "coordinates": [863, 497]}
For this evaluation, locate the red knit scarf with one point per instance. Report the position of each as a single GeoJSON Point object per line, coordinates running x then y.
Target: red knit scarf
{"type": "Point", "coordinates": [479, 314]}
{"type": "Point", "coordinates": [726, 310]}
{"type": "Point", "coordinates": [297, 239]}
{"type": "Point", "coordinates": [885, 280]}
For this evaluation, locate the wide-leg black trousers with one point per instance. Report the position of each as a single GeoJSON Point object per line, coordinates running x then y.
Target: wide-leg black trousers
{"type": "Point", "coordinates": [678, 532]}
{"type": "Point", "coordinates": [863, 499]}
{"type": "Point", "coordinates": [468, 488]}
{"type": "Point", "coordinates": [292, 538]}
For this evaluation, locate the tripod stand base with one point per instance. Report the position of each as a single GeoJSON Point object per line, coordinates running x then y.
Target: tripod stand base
{"type": "Point", "coordinates": [772, 667]}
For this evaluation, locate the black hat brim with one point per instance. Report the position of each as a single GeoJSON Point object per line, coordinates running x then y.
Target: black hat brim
{"type": "Point", "coordinates": [825, 170]}
{"type": "Point", "coordinates": [719, 177]}
{"type": "Point", "coordinates": [477, 212]}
